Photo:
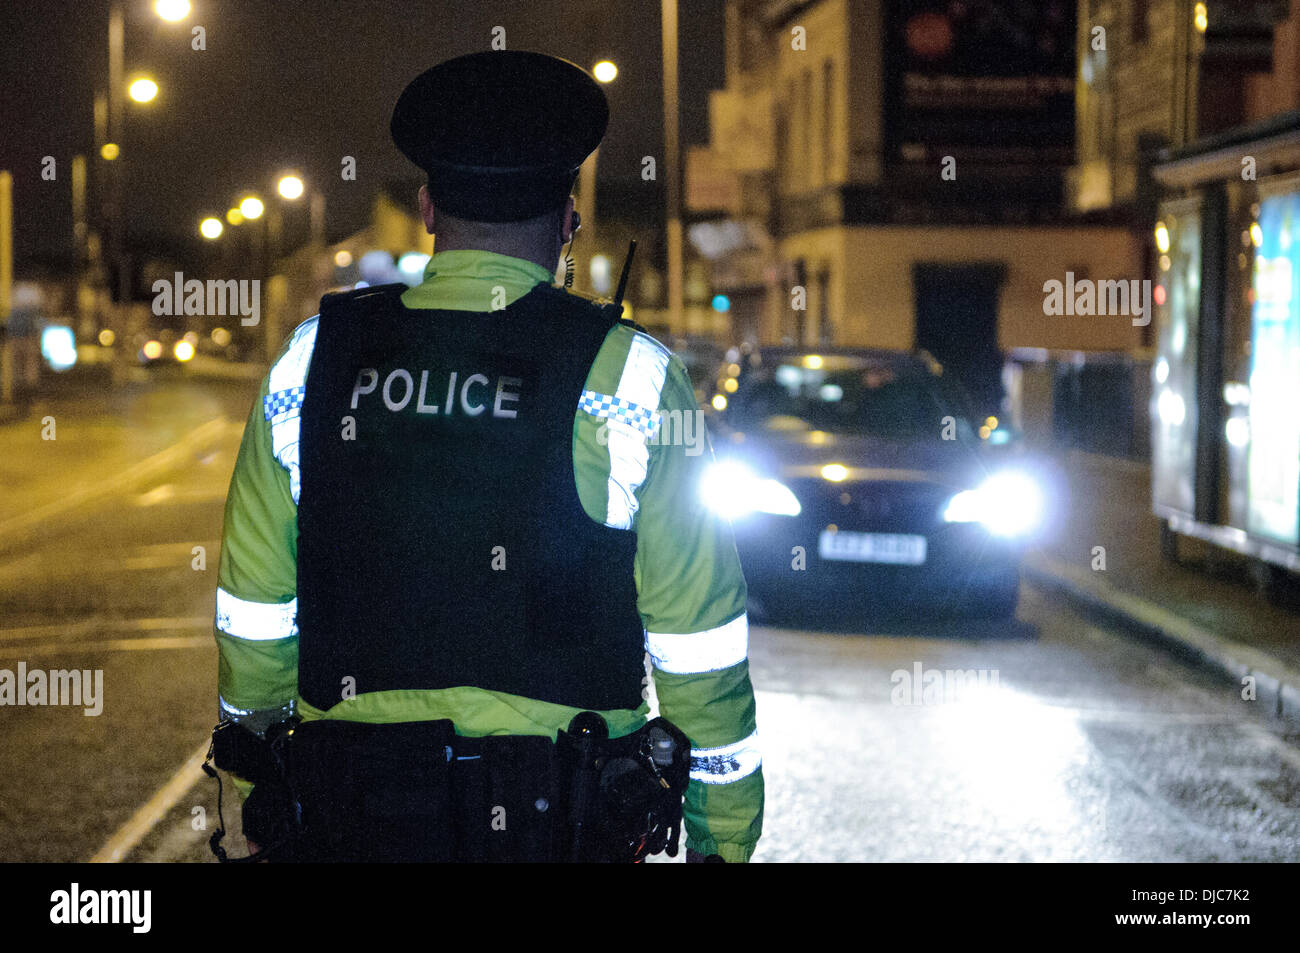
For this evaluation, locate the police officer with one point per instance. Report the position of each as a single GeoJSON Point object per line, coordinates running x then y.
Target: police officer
{"type": "Point", "coordinates": [452, 506]}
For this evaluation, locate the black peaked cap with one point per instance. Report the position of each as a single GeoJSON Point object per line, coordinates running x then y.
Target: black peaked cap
{"type": "Point", "coordinates": [501, 134]}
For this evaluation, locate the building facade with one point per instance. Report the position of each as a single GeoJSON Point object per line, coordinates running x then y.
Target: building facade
{"type": "Point", "coordinates": [900, 175]}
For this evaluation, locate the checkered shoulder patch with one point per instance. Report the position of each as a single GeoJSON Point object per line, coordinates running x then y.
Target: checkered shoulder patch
{"type": "Point", "coordinates": [282, 401]}
{"type": "Point", "coordinates": [640, 418]}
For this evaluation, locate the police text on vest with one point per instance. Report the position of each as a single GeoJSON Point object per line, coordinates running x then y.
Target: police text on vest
{"type": "Point", "coordinates": [472, 393]}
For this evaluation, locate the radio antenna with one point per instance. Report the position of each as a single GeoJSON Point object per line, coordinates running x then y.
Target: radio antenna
{"type": "Point", "coordinates": [627, 270]}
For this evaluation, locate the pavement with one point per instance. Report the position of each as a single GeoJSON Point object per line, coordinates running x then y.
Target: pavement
{"type": "Point", "coordinates": [1204, 608]}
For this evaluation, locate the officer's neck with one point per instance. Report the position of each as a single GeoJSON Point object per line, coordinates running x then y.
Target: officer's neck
{"type": "Point", "coordinates": [546, 257]}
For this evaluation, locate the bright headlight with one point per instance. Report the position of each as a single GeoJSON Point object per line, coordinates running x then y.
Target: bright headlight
{"type": "Point", "coordinates": [1008, 504]}
{"type": "Point", "coordinates": [732, 490]}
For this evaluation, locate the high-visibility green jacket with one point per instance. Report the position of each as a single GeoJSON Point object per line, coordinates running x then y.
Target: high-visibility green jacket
{"type": "Point", "coordinates": [691, 592]}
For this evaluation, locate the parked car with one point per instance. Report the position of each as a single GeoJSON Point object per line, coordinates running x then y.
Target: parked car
{"type": "Point", "coordinates": [856, 478]}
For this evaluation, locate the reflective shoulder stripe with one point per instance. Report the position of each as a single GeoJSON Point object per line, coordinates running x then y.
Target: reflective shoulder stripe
{"type": "Point", "coordinates": [256, 621]}
{"type": "Point", "coordinates": [619, 411]}
{"type": "Point", "coordinates": [726, 764]}
{"type": "Point", "coordinates": [694, 652]}
{"type": "Point", "coordinates": [640, 385]}
{"type": "Point", "coordinates": [290, 370]}
{"type": "Point", "coordinates": [286, 387]}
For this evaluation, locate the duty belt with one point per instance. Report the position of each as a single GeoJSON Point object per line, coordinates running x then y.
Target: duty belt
{"type": "Point", "coordinates": [333, 790]}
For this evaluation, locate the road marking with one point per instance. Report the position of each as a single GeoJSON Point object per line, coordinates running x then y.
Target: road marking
{"type": "Point", "coordinates": [49, 566]}
{"type": "Point", "coordinates": [129, 835]}
{"type": "Point", "coordinates": [168, 493]}
{"type": "Point", "coordinates": [116, 645]}
{"type": "Point", "coordinates": [159, 494]}
{"type": "Point", "coordinates": [166, 555]}
{"type": "Point", "coordinates": [17, 528]}
{"type": "Point", "coordinates": [178, 624]}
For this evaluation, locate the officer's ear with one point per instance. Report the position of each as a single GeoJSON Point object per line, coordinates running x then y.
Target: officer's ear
{"type": "Point", "coordinates": [426, 209]}
{"type": "Point", "coordinates": [572, 222]}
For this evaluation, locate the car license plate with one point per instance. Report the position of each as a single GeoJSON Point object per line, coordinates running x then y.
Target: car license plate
{"type": "Point", "coordinates": [899, 549]}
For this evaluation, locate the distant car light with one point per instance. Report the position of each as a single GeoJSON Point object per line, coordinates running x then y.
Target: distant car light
{"type": "Point", "coordinates": [59, 347]}
{"type": "Point", "coordinates": [733, 490]}
{"type": "Point", "coordinates": [183, 350]}
{"type": "Point", "coordinates": [1008, 504]}
{"type": "Point", "coordinates": [835, 472]}
{"type": "Point", "coordinates": [152, 350]}
{"type": "Point", "coordinates": [412, 263]}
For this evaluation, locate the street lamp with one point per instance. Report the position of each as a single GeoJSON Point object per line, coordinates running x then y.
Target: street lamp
{"type": "Point", "coordinates": [251, 207]}
{"type": "Point", "coordinates": [604, 71]}
{"type": "Point", "coordinates": [290, 187]}
{"type": "Point", "coordinates": [172, 10]}
{"type": "Point", "coordinates": [142, 90]}
{"type": "Point", "coordinates": [109, 121]}
{"type": "Point", "coordinates": [235, 217]}
{"type": "Point", "coordinates": [210, 228]}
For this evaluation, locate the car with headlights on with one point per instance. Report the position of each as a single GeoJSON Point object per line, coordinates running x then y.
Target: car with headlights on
{"type": "Point", "coordinates": [857, 479]}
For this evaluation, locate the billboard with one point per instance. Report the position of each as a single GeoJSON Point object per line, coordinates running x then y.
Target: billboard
{"type": "Point", "coordinates": [983, 80]}
{"type": "Point", "coordinates": [1177, 304]}
{"type": "Point", "coordinates": [1273, 457]}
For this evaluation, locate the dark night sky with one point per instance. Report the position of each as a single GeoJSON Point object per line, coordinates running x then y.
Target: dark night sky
{"type": "Point", "coordinates": [301, 83]}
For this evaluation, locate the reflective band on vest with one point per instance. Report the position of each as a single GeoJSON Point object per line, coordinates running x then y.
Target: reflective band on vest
{"type": "Point", "coordinates": [707, 651]}
{"type": "Point", "coordinates": [286, 388]}
{"type": "Point", "coordinates": [256, 621]}
{"type": "Point", "coordinates": [640, 385]}
{"type": "Point", "coordinates": [726, 764]}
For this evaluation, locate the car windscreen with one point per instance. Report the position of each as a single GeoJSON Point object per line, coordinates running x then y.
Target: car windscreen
{"type": "Point", "coordinates": [840, 394]}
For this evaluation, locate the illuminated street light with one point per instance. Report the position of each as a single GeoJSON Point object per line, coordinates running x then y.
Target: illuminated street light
{"type": "Point", "coordinates": [251, 207]}
{"type": "Point", "coordinates": [1201, 18]}
{"type": "Point", "coordinates": [1162, 237]}
{"type": "Point", "coordinates": [110, 151]}
{"type": "Point", "coordinates": [235, 217]}
{"type": "Point", "coordinates": [290, 187]}
{"type": "Point", "coordinates": [143, 90]}
{"type": "Point", "coordinates": [210, 228]}
{"type": "Point", "coordinates": [172, 10]}
{"type": "Point", "coordinates": [604, 71]}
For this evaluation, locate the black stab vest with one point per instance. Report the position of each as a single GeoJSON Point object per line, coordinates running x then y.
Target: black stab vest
{"type": "Point", "coordinates": [445, 544]}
